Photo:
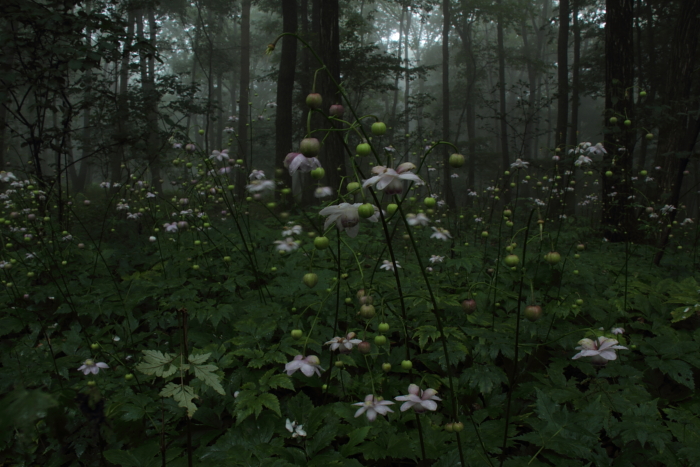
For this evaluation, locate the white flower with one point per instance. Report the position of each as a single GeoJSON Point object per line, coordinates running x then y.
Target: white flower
{"type": "Point", "coordinates": [308, 365]}
{"type": "Point", "coordinates": [389, 266]}
{"type": "Point", "coordinates": [687, 221]}
{"type": "Point", "coordinates": [151, 239]}
{"type": "Point", "coordinates": [618, 331]}
{"type": "Point", "coordinates": [257, 175]}
{"type": "Point", "coordinates": [454, 176]}
{"type": "Point", "coordinates": [294, 429]}
{"type": "Point", "coordinates": [519, 164]}
{"type": "Point", "coordinates": [323, 192]}
{"type": "Point", "coordinates": [390, 180]}
{"type": "Point", "coordinates": [134, 215]}
{"type": "Point", "coordinates": [582, 160]}
{"type": "Point", "coordinates": [601, 349]}
{"type": "Point", "coordinates": [668, 208]}
{"type": "Point", "coordinates": [293, 230]}
{"type": "Point", "coordinates": [598, 149]}
{"type": "Point", "coordinates": [105, 184]}
{"type": "Point", "coordinates": [297, 161]}
{"type": "Point", "coordinates": [258, 186]}
{"type": "Point", "coordinates": [418, 399]}
{"type": "Point", "coordinates": [170, 228]}
{"type": "Point", "coordinates": [373, 407]}
{"type": "Point", "coordinates": [346, 217]}
{"type": "Point", "coordinates": [417, 219]}
{"type": "Point", "coordinates": [150, 195]}
{"type": "Point", "coordinates": [122, 207]}
{"type": "Point", "coordinates": [346, 342]}
{"type": "Point", "coordinates": [436, 259]}
{"type": "Point", "coordinates": [219, 155]}
{"type": "Point", "coordinates": [440, 233]}
{"type": "Point", "coordinates": [89, 366]}
{"type": "Point", "coordinates": [286, 245]}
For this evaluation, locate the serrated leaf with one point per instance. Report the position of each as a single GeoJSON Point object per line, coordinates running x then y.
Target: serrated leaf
{"type": "Point", "coordinates": [198, 359]}
{"type": "Point", "coordinates": [205, 373]}
{"type": "Point", "coordinates": [271, 402]}
{"type": "Point", "coordinates": [157, 363]}
{"type": "Point", "coordinates": [183, 395]}
{"type": "Point", "coordinates": [356, 437]}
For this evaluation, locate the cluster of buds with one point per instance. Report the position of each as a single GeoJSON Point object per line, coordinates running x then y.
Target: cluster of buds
{"type": "Point", "coordinates": [366, 304]}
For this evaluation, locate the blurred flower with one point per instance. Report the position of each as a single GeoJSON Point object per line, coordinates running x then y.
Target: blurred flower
{"type": "Point", "coordinates": [257, 175]}
{"type": "Point", "coordinates": [582, 160]}
{"type": "Point", "coordinates": [233, 118]}
{"type": "Point", "coordinates": [297, 161]}
{"type": "Point", "coordinates": [390, 180]}
{"type": "Point", "coordinates": [308, 365]}
{"type": "Point", "coordinates": [170, 228]}
{"type": "Point", "coordinates": [259, 186]}
{"type": "Point", "coordinates": [122, 207]}
{"type": "Point", "coordinates": [519, 164]}
{"type": "Point", "coordinates": [150, 195]}
{"type": "Point", "coordinates": [668, 208]}
{"type": "Point", "coordinates": [89, 366]}
{"type": "Point", "coordinates": [294, 429]}
{"type": "Point", "coordinates": [454, 175]}
{"type": "Point", "coordinates": [323, 192]}
{"type": "Point", "coordinates": [293, 230]}
{"type": "Point", "coordinates": [417, 219]}
{"type": "Point", "coordinates": [687, 221]}
{"type": "Point", "coordinates": [105, 185]}
{"type": "Point", "coordinates": [601, 349]}
{"type": "Point", "coordinates": [219, 155]}
{"type": "Point", "coordinates": [555, 158]}
{"type": "Point", "coordinates": [419, 400]}
{"type": "Point", "coordinates": [228, 129]}
{"type": "Point", "coordinates": [440, 233]}
{"type": "Point", "coordinates": [436, 259]}
{"type": "Point", "coordinates": [286, 245]}
{"type": "Point", "coordinates": [388, 265]}
{"type": "Point", "coordinates": [346, 217]}
{"type": "Point", "coordinates": [151, 239]}
{"type": "Point", "coordinates": [372, 407]}
{"type": "Point", "coordinates": [618, 331]}
{"type": "Point", "coordinates": [598, 149]}
{"type": "Point", "coordinates": [347, 342]}
{"type": "Point", "coordinates": [134, 215]}
{"type": "Point", "coordinates": [177, 145]}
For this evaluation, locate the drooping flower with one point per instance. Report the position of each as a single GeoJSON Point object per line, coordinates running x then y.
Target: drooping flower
{"type": "Point", "coordinates": [297, 161]}
{"type": "Point", "coordinates": [440, 233]}
{"type": "Point", "coordinates": [519, 164]}
{"type": "Point", "coordinates": [323, 192]}
{"type": "Point", "coordinates": [346, 217]}
{"type": "Point", "coordinates": [7, 176]}
{"type": "Point", "coordinates": [286, 245]}
{"type": "Point", "coordinates": [390, 180]}
{"type": "Point", "coordinates": [372, 406]}
{"type": "Point", "coordinates": [346, 342]}
{"type": "Point", "coordinates": [417, 219]}
{"type": "Point", "coordinates": [418, 399]}
{"type": "Point", "coordinates": [618, 331]}
{"type": "Point", "coordinates": [170, 228]}
{"type": "Point", "coordinates": [389, 266]}
{"type": "Point", "coordinates": [601, 349]}
{"type": "Point", "coordinates": [90, 366]}
{"type": "Point", "coordinates": [257, 175]}
{"type": "Point", "coordinates": [260, 186]}
{"type": "Point", "coordinates": [292, 230]}
{"type": "Point", "coordinates": [308, 365]}
{"type": "Point", "coordinates": [598, 149]}
{"type": "Point", "coordinates": [582, 160]}
{"type": "Point", "coordinates": [436, 259]}
{"type": "Point", "coordinates": [219, 155]}
{"type": "Point", "coordinates": [294, 429]}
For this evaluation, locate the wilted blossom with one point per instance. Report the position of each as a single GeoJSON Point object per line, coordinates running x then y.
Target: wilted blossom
{"type": "Point", "coordinates": [294, 429]}
{"type": "Point", "coordinates": [440, 233]}
{"type": "Point", "coordinates": [219, 155]}
{"type": "Point", "coordinates": [297, 161]}
{"type": "Point", "coordinates": [346, 217]}
{"type": "Point", "coordinates": [323, 192]}
{"type": "Point", "coordinates": [519, 164]}
{"type": "Point", "coordinates": [286, 245]}
{"type": "Point", "coordinates": [417, 219]}
{"type": "Point", "coordinates": [346, 342]}
{"type": "Point", "coordinates": [372, 406]}
{"type": "Point", "coordinates": [389, 266]}
{"type": "Point", "coordinates": [390, 180]}
{"type": "Point", "coordinates": [90, 366]}
{"type": "Point", "coordinates": [419, 400]}
{"type": "Point", "coordinates": [308, 365]}
{"type": "Point", "coordinates": [601, 349]}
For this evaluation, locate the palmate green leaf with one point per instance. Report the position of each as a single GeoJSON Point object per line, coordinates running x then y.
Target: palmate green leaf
{"type": "Point", "coordinates": [157, 363]}
{"type": "Point", "coordinates": [356, 437]}
{"type": "Point", "coordinates": [198, 359]}
{"type": "Point", "coordinates": [643, 423]}
{"type": "Point", "coordinates": [183, 395]}
{"type": "Point", "coordinates": [485, 377]}
{"type": "Point", "coordinates": [205, 373]}
{"type": "Point", "coordinates": [678, 370]}
{"type": "Point", "coordinates": [272, 380]}
{"type": "Point", "coordinates": [251, 402]}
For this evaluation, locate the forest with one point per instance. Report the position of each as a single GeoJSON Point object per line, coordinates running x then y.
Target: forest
{"type": "Point", "coordinates": [349, 233]}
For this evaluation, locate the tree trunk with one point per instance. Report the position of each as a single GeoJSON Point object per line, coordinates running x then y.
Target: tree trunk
{"type": "Point", "coordinates": [122, 114]}
{"type": "Point", "coordinates": [406, 95]}
{"type": "Point", "coordinates": [243, 105]}
{"type": "Point", "coordinates": [398, 73]}
{"type": "Point", "coordinates": [285, 91]}
{"type": "Point", "coordinates": [618, 218]}
{"type": "Point", "coordinates": [153, 142]}
{"type": "Point", "coordinates": [575, 78]}
{"type": "Point", "coordinates": [446, 179]}
{"type": "Point", "coordinates": [562, 76]}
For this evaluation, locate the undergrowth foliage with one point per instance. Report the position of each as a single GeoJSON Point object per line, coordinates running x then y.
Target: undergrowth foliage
{"type": "Point", "coordinates": [196, 326]}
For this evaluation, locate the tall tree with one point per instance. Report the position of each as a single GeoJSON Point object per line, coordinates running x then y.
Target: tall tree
{"type": "Point", "coordinates": [617, 216]}
{"type": "Point", "coordinates": [285, 89]}
{"type": "Point", "coordinates": [575, 74]}
{"type": "Point", "coordinates": [122, 114]}
{"type": "Point", "coordinates": [505, 156]}
{"type": "Point", "coordinates": [446, 179]}
{"type": "Point", "coordinates": [244, 95]}
{"type": "Point", "coordinates": [562, 76]}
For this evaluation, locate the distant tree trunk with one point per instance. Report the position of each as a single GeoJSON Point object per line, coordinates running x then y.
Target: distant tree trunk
{"type": "Point", "coordinates": [618, 218]}
{"type": "Point", "coordinates": [153, 142]}
{"type": "Point", "coordinates": [285, 91]}
{"type": "Point", "coordinates": [562, 76]}
{"type": "Point", "coordinates": [122, 115]}
{"type": "Point", "coordinates": [575, 79]}
{"type": "Point", "coordinates": [219, 127]}
{"type": "Point", "coordinates": [398, 73]}
{"type": "Point", "coordinates": [678, 136]}
{"type": "Point", "coordinates": [532, 78]}
{"type": "Point", "coordinates": [446, 179]}
{"type": "Point", "coordinates": [333, 152]}
{"type": "Point", "coordinates": [243, 105]}
{"type": "Point", "coordinates": [406, 95]}
{"type": "Point", "coordinates": [465, 33]}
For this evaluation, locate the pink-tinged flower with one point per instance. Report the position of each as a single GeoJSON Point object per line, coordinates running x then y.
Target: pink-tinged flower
{"type": "Point", "coordinates": [601, 349]}
{"type": "Point", "coordinates": [390, 180]}
{"type": "Point", "coordinates": [440, 233]}
{"type": "Point", "coordinates": [598, 149]}
{"type": "Point", "coordinates": [257, 175]}
{"type": "Point", "coordinates": [346, 217]}
{"type": "Point", "coordinates": [177, 145]}
{"type": "Point", "coordinates": [582, 160]}
{"type": "Point", "coordinates": [190, 147]}
{"type": "Point", "coordinates": [417, 219]}
{"type": "Point", "coordinates": [617, 331]}
{"type": "Point", "coordinates": [170, 228]}
{"type": "Point", "coordinates": [308, 365]}
{"type": "Point", "coordinates": [344, 343]}
{"type": "Point", "coordinates": [519, 164]}
{"type": "Point", "coordinates": [219, 155]}
{"type": "Point", "coordinates": [418, 399]}
{"type": "Point", "coordinates": [297, 161]}
{"type": "Point", "coordinates": [90, 366]}
{"type": "Point", "coordinates": [372, 406]}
